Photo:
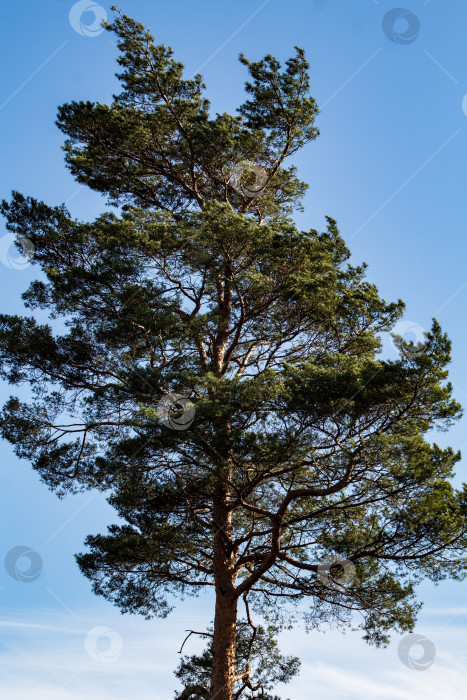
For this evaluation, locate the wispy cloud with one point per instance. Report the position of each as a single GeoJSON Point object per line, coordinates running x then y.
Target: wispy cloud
{"type": "Point", "coordinates": [44, 658]}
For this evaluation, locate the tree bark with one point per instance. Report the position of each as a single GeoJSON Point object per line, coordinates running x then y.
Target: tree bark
{"type": "Point", "coordinates": [224, 639]}
{"type": "Point", "coordinates": [223, 667]}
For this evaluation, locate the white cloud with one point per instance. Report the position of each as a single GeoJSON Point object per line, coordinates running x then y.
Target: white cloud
{"type": "Point", "coordinates": [44, 658]}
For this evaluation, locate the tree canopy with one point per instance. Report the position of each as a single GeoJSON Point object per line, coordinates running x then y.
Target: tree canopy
{"type": "Point", "coordinates": [217, 372]}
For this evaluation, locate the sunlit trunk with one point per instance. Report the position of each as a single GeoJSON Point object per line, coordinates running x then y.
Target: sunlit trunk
{"type": "Point", "coordinates": [223, 668]}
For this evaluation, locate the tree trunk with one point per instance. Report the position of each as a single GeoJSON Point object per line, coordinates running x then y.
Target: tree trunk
{"type": "Point", "coordinates": [223, 667]}
{"type": "Point", "coordinates": [224, 640]}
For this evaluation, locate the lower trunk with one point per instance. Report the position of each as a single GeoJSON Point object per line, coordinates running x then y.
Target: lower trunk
{"type": "Point", "coordinates": [223, 666]}
{"type": "Point", "coordinates": [225, 619]}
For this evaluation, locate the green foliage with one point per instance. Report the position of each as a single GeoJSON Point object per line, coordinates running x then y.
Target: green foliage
{"type": "Point", "coordinates": [306, 442]}
{"type": "Point", "coordinates": [258, 661]}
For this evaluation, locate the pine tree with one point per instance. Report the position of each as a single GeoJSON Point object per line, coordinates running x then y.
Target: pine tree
{"type": "Point", "coordinates": [217, 372]}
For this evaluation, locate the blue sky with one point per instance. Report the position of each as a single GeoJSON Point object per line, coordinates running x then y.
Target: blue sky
{"type": "Point", "coordinates": [390, 166]}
